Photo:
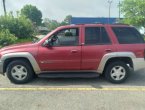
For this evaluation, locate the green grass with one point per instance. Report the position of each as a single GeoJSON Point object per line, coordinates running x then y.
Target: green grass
{"type": "Point", "coordinates": [24, 40]}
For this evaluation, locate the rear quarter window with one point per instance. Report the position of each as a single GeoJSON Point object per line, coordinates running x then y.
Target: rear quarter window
{"type": "Point", "coordinates": [127, 35]}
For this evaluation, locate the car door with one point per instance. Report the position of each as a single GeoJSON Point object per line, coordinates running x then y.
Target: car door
{"type": "Point", "coordinates": [65, 52]}
{"type": "Point", "coordinates": [96, 44]}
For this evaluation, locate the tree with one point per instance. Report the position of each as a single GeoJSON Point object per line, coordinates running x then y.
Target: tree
{"type": "Point", "coordinates": [66, 20]}
{"type": "Point", "coordinates": [19, 26]}
{"type": "Point", "coordinates": [51, 24]}
{"type": "Point", "coordinates": [134, 12]}
{"type": "Point", "coordinates": [32, 13]}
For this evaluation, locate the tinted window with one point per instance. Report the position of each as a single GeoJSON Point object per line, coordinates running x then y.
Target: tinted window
{"type": "Point", "coordinates": [67, 37]}
{"type": "Point", "coordinates": [127, 35]}
{"type": "Point", "coordinates": [96, 35]}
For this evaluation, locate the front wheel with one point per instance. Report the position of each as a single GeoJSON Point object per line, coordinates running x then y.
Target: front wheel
{"type": "Point", "coordinates": [117, 72]}
{"type": "Point", "coordinates": [19, 72]}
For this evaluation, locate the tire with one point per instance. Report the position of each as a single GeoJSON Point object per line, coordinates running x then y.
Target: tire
{"type": "Point", "coordinates": [117, 72]}
{"type": "Point", "coordinates": [19, 72]}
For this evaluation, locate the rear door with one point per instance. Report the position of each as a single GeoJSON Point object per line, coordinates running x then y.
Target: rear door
{"type": "Point", "coordinates": [96, 44]}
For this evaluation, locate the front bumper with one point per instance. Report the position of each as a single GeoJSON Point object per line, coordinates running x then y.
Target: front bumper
{"type": "Point", "coordinates": [138, 63]}
{"type": "Point", "coordinates": [1, 67]}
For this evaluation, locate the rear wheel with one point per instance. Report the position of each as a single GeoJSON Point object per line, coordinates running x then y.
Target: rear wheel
{"type": "Point", "coordinates": [19, 72]}
{"type": "Point", "coordinates": [117, 72]}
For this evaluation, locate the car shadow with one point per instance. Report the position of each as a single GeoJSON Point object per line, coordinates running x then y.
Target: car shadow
{"type": "Point", "coordinates": [67, 82]}
{"type": "Point", "coordinates": [135, 79]}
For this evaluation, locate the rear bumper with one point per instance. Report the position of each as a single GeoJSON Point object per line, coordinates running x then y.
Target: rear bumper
{"type": "Point", "coordinates": [1, 67]}
{"type": "Point", "coordinates": [138, 63]}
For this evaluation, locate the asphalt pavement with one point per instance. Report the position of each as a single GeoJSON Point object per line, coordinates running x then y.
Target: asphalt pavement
{"type": "Point", "coordinates": [74, 94]}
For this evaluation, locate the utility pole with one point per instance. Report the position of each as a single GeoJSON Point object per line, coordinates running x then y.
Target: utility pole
{"type": "Point", "coordinates": [109, 2]}
{"type": "Point", "coordinates": [119, 10]}
{"type": "Point", "coordinates": [4, 6]}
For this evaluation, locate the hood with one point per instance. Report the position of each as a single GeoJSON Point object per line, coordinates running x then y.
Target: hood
{"type": "Point", "coordinates": [18, 46]}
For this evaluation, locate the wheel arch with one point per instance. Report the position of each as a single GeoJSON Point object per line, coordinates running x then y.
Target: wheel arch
{"type": "Point", "coordinates": [127, 60]}
{"type": "Point", "coordinates": [7, 58]}
{"type": "Point", "coordinates": [126, 57]}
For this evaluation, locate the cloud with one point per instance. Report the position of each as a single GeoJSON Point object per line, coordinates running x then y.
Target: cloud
{"type": "Point", "coordinates": [58, 9]}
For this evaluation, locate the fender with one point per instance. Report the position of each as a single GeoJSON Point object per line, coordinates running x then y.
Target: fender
{"type": "Point", "coordinates": [108, 56]}
{"type": "Point", "coordinates": [27, 55]}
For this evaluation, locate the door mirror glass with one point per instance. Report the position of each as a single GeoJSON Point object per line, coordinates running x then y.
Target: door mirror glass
{"type": "Point", "coordinates": [50, 42]}
{"type": "Point", "coordinates": [47, 43]}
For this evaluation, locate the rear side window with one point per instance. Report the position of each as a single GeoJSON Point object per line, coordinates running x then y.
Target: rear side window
{"type": "Point", "coordinates": [127, 35]}
{"type": "Point", "coordinates": [96, 36]}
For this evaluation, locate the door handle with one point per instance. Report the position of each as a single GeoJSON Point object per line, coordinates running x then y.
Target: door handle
{"type": "Point", "coordinates": [108, 50]}
{"type": "Point", "coordinates": [74, 51]}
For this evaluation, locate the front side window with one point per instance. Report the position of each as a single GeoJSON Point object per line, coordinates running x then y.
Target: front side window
{"type": "Point", "coordinates": [96, 36]}
{"type": "Point", "coordinates": [127, 35]}
{"type": "Point", "coordinates": [66, 37]}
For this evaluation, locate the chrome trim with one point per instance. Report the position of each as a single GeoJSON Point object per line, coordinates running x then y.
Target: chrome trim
{"type": "Point", "coordinates": [107, 56]}
{"type": "Point", "coordinates": [23, 55]}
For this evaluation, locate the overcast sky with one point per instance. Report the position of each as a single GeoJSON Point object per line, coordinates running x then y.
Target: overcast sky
{"type": "Point", "coordinates": [58, 9]}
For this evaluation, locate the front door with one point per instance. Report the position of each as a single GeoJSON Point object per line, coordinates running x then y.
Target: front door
{"type": "Point", "coordinates": [65, 52]}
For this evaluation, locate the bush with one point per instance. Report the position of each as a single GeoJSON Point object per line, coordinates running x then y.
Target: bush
{"type": "Point", "coordinates": [20, 26]}
{"type": "Point", "coordinates": [6, 38]}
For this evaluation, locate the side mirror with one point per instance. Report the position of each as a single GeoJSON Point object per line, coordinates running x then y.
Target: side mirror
{"type": "Point", "coordinates": [48, 43]}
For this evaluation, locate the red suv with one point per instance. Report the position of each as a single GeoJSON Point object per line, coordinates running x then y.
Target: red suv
{"type": "Point", "coordinates": [85, 50]}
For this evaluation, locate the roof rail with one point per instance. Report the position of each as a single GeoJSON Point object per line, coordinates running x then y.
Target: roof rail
{"type": "Point", "coordinates": [86, 23]}
{"type": "Point", "coordinates": [98, 23]}
{"type": "Point", "coordinates": [120, 24]}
